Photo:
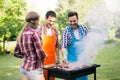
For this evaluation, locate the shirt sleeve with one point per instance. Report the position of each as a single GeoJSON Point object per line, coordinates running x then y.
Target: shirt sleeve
{"type": "Point", "coordinates": [37, 44]}
{"type": "Point", "coordinates": [64, 38]}
{"type": "Point", "coordinates": [85, 30]}
{"type": "Point", "coordinates": [17, 51]}
{"type": "Point", "coordinates": [57, 44]}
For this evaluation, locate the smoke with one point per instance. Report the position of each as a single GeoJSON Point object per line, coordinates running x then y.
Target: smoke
{"type": "Point", "coordinates": [91, 44]}
{"type": "Point", "coordinates": [112, 5]}
{"type": "Point", "coordinates": [99, 20]}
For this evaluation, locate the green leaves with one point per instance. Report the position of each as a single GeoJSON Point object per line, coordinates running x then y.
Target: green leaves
{"type": "Point", "coordinates": [11, 20]}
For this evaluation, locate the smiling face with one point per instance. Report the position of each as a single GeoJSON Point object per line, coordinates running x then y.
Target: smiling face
{"type": "Point", "coordinates": [50, 21]}
{"type": "Point", "coordinates": [73, 21]}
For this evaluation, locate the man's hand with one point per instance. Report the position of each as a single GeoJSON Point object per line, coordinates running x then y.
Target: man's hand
{"type": "Point", "coordinates": [64, 60]}
{"type": "Point", "coordinates": [64, 55]}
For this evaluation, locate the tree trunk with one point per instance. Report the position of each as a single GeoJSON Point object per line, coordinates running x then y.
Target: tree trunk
{"type": "Point", "coordinates": [4, 38]}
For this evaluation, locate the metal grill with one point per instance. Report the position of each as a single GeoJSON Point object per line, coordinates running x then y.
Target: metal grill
{"type": "Point", "coordinates": [70, 74]}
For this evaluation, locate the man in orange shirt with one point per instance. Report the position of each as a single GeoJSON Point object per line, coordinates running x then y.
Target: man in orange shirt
{"type": "Point", "coordinates": [50, 40]}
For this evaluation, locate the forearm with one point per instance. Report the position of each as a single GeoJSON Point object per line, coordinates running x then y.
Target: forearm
{"type": "Point", "coordinates": [57, 54]}
{"type": "Point", "coordinates": [64, 54]}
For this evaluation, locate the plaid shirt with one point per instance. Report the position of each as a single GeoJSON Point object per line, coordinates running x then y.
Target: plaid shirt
{"type": "Point", "coordinates": [67, 38]}
{"type": "Point", "coordinates": [31, 48]}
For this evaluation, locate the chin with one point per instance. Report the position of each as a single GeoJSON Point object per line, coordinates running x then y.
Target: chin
{"type": "Point", "coordinates": [74, 27]}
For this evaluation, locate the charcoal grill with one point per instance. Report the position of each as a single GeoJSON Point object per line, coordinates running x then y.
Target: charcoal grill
{"type": "Point", "coordinates": [71, 74]}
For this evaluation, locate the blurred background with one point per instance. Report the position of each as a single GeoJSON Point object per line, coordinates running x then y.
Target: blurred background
{"type": "Point", "coordinates": [101, 16]}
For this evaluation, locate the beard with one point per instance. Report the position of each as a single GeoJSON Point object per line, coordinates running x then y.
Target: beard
{"type": "Point", "coordinates": [74, 26]}
{"type": "Point", "coordinates": [49, 25]}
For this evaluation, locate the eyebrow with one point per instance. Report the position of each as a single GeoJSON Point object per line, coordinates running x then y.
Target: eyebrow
{"type": "Point", "coordinates": [51, 21]}
{"type": "Point", "coordinates": [72, 21]}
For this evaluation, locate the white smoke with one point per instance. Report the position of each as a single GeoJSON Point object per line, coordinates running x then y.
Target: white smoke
{"type": "Point", "coordinates": [98, 19]}
{"type": "Point", "coordinates": [92, 43]}
{"type": "Point", "coordinates": [101, 21]}
{"type": "Point", "coordinates": [112, 5]}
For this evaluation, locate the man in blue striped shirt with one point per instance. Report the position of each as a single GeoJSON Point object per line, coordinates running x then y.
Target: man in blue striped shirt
{"type": "Point", "coordinates": [73, 34]}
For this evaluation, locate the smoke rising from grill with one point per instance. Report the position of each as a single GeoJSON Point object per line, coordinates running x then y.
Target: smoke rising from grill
{"type": "Point", "coordinates": [100, 20]}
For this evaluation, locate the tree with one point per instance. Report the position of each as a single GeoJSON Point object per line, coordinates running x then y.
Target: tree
{"type": "Point", "coordinates": [64, 6]}
{"type": "Point", "coordinates": [11, 19]}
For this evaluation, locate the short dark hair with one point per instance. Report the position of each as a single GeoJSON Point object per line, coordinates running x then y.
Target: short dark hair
{"type": "Point", "coordinates": [72, 13]}
{"type": "Point", "coordinates": [50, 13]}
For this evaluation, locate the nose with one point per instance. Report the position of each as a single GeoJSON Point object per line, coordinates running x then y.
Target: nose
{"type": "Point", "coordinates": [72, 23]}
{"type": "Point", "coordinates": [52, 22]}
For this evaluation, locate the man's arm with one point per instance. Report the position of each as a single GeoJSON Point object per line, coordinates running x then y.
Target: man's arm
{"type": "Point", "coordinates": [64, 55]}
{"type": "Point", "coordinates": [57, 47]}
{"type": "Point", "coordinates": [57, 56]}
{"type": "Point", "coordinates": [64, 45]}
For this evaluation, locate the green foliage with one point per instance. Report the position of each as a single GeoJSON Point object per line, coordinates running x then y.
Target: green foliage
{"type": "Point", "coordinates": [81, 6]}
{"type": "Point", "coordinates": [11, 20]}
{"type": "Point", "coordinates": [64, 6]}
{"type": "Point", "coordinates": [62, 21]}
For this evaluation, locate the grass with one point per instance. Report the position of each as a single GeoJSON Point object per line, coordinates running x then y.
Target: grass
{"type": "Point", "coordinates": [9, 68]}
{"type": "Point", "coordinates": [108, 58]}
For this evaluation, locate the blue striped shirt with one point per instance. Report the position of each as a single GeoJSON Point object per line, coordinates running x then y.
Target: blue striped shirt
{"type": "Point", "coordinates": [66, 36]}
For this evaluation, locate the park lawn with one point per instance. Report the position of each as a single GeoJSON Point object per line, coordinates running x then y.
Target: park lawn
{"type": "Point", "coordinates": [108, 58]}
{"type": "Point", "coordinates": [9, 67]}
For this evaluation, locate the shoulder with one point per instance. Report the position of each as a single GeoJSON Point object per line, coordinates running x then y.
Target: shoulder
{"type": "Point", "coordinates": [84, 29]}
{"type": "Point", "coordinates": [83, 26]}
{"type": "Point", "coordinates": [67, 29]}
{"type": "Point", "coordinates": [54, 28]}
{"type": "Point", "coordinates": [39, 28]}
{"type": "Point", "coordinates": [30, 32]}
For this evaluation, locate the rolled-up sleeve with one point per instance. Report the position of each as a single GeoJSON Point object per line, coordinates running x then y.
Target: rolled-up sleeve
{"type": "Point", "coordinates": [85, 30]}
{"type": "Point", "coordinates": [64, 38]}
{"type": "Point", "coordinates": [57, 43]}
